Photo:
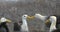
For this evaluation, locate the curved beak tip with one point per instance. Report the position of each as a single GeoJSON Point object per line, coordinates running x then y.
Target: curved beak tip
{"type": "Point", "coordinates": [8, 21]}
{"type": "Point", "coordinates": [47, 22]}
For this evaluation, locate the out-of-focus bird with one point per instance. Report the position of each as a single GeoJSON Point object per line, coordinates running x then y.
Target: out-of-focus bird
{"type": "Point", "coordinates": [3, 25]}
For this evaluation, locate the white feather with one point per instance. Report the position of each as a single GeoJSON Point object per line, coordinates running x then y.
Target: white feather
{"type": "Point", "coordinates": [24, 26]}
{"type": "Point", "coordinates": [53, 23]}
{"type": "Point", "coordinates": [3, 19]}
{"type": "Point", "coordinates": [52, 19]}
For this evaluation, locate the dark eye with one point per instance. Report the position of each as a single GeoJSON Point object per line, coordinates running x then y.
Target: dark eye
{"type": "Point", "coordinates": [24, 16]}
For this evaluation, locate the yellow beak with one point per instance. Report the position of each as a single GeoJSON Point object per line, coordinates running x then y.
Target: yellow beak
{"type": "Point", "coordinates": [30, 17]}
{"type": "Point", "coordinates": [8, 21]}
{"type": "Point", "coordinates": [47, 22]}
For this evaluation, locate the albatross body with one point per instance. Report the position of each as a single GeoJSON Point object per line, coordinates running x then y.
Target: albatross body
{"type": "Point", "coordinates": [24, 26]}
{"type": "Point", "coordinates": [57, 25]}
{"type": "Point", "coordinates": [52, 19]}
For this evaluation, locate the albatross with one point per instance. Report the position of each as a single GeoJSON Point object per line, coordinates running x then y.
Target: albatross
{"type": "Point", "coordinates": [55, 23]}
{"type": "Point", "coordinates": [51, 19]}
{"type": "Point", "coordinates": [24, 26]}
{"type": "Point", "coordinates": [3, 26]}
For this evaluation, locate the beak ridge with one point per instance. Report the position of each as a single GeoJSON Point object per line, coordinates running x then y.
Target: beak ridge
{"type": "Point", "coordinates": [8, 21]}
{"type": "Point", "coordinates": [30, 17]}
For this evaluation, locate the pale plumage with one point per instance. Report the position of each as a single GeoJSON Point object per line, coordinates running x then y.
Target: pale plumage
{"type": "Point", "coordinates": [43, 18]}
{"type": "Point", "coordinates": [3, 25]}
{"type": "Point", "coordinates": [52, 19]}
{"type": "Point", "coordinates": [53, 23]}
{"type": "Point", "coordinates": [24, 26]}
{"type": "Point", "coordinates": [3, 19]}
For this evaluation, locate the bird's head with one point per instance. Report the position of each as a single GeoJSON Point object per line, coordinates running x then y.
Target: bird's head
{"type": "Point", "coordinates": [28, 17]}
{"type": "Point", "coordinates": [32, 17]}
{"type": "Point", "coordinates": [3, 19]}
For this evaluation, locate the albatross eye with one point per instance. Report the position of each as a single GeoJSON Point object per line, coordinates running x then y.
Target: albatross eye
{"type": "Point", "coordinates": [24, 16]}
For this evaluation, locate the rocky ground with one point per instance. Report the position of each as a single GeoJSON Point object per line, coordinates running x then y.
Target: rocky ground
{"type": "Point", "coordinates": [14, 9]}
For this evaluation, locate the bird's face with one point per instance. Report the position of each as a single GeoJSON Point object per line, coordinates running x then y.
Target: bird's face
{"type": "Point", "coordinates": [24, 16]}
{"type": "Point", "coordinates": [28, 17]}
{"type": "Point", "coordinates": [3, 19]}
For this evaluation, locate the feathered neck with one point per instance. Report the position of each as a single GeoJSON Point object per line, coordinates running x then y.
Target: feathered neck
{"type": "Point", "coordinates": [24, 21]}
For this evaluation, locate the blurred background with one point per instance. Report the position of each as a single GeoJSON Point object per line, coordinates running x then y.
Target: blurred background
{"type": "Point", "coordinates": [14, 9]}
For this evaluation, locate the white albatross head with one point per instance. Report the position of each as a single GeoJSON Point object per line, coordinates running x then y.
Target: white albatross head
{"type": "Point", "coordinates": [27, 17]}
{"type": "Point", "coordinates": [3, 19]}
{"type": "Point", "coordinates": [24, 16]}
